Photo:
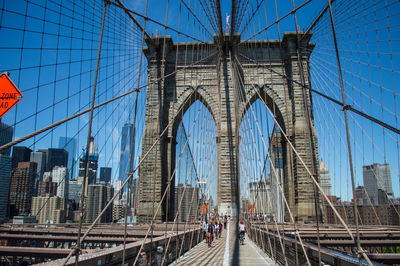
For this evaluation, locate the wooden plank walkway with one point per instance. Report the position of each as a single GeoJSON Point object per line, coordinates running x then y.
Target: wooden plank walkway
{"type": "Point", "coordinates": [225, 251]}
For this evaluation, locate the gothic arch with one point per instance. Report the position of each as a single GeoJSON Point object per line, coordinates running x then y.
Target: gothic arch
{"type": "Point", "coordinates": [185, 100]}
{"type": "Point", "coordinates": [274, 102]}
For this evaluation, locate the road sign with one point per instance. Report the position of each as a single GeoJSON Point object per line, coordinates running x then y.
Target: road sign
{"type": "Point", "coordinates": [9, 94]}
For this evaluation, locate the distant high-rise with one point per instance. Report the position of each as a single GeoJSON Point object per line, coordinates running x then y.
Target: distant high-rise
{"type": "Point", "coordinates": [260, 195]}
{"type": "Point", "coordinates": [186, 202]}
{"type": "Point", "coordinates": [276, 175]}
{"type": "Point", "coordinates": [92, 165]}
{"type": "Point", "coordinates": [118, 210]}
{"type": "Point", "coordinates": [20, 154]}
{"type": "Point", "coordinates": [47, 187]}
{"type": "Point", "coordinates": [5, 172]}
{"type": "Point", "coordinates": [69, 144]}
{"type": "Point", "coordinates": [60, 176]}
{"type": "Point", "coordinates": [91, 169]}
{"type": "Point", "coordinates": [6, 133]}
{"type": "Point", "coordinates": [377, 177]}
{"type": "Point", "coordinates": [135, 192]}
{"type": "Point", "coordinates": [55, 157]}
{"type": "Point", "coordinates": [360, 195]}
{"type": "Point", "coordinates": [117, 187]}
{"type": "Point", "coordinates": [97, 198]}
{"type": "Point", "coordinates": [324, 179]}
{"type": "Point", "coordinates": [40, 159]}
{"type": "Point", "coordinates": [105, 174]}
{"type": "Point", "coordinates": [126, 140]}
{"type": "Point", "coordinates": [75, 191]}
{"type": "Point", "coordinates": [49, 208]}
{"type": "Point", "coordinates": [21, 188]}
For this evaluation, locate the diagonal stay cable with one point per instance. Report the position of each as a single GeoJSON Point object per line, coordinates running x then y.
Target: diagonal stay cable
{"type": "Point", "coordinates": [85, 176]}
{"type": "Point", "coordinates": [170, 178]}
{"type": "Point", "coordinates": [132, 146]}
{"type": "Point", "coordinates": [267, 157]}
{"type": "Point", "coordinates": [272, 163]}
{"type": "Point", "coordinates": [12, 143]}
{"type": "Point", "coordinates": [194, 15]}
{"type": "Point", "coordinates": [348, 107]}
{"type": "Point", "coordinates": [307, 169]}
{"type": "Point", "coordinates": [252, 16]}
{"type": "Point", "coordinates": [130, 175]}
{"type": "Point", "coordinates": [277, 20]}
{"type": "Point", "coordinates": [155, 21]}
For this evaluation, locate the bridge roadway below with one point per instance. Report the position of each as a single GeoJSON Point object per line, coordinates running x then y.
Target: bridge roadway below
{"type": "Point", "coordinates": [225, 250]}
{"type": "Point", "coordinates": [34, 244]}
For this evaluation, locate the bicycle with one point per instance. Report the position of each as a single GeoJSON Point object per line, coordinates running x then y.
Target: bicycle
{"type": "Point", "coordinates": [241, 238]}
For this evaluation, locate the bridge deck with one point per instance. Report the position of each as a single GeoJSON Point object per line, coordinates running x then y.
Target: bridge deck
{"type": "Point", "coordinates": [225, 251]}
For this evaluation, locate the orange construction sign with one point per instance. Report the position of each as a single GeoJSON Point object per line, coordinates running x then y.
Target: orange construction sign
{"type": "Point", "coordinates": [9, 94]}
{"type": "Point", "coordinates": [204, 209]}
{"type": "Point", "coordinates": [251, 209]}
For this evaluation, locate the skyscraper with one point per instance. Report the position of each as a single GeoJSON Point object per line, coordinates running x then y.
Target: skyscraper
{"type": "Point", "coordinates": [92, 165]}
{"type": "Point", "coordinates": [98, 196]}
{"type": "Point", "coordinates": [360, 195]}
{"type": "Point", "coordinates": [126, 140]}
{"type": "Point", "coordinates": [49, 208]}
{"type": "Point", "coordinates": [40, 159]}
{"type": "Point", "coordinates": [377, 177]}
{"type": "Point", "coordinates": [20, 154]}
{"type": "Point", "coordinates": [276, 175]}
{"type": "Point", "coordinates": [105, 174]}
{"type": "Point", "coordinates": [324, 179]}
{"type": "Point", "coordinates": [75, 191]}
{"type": "Point", "coordinates": [117, 187]}
{"type": "Point", "coordinates": [5, 172]}
{"type": "Point", "coordinates": [260, 196]}
{"type": "Point", "coordinates": [21, 188]}
{"type": "Point", "coordinates": [56, 157]}
{"type": "Point", "coordinates": [47, 186]}
{"type": "Point", "coordinates": [60, 176]}
{"type": "Point", "coordinates": [6, 133]}
{"type": "Point", "coordinates": [69, 144]}
{"type": "Point", "coordinates": [91, 169]}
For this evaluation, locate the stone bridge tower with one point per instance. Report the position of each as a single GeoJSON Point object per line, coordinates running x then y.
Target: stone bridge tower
{"type": "Point", "coordinates": [227, 81]}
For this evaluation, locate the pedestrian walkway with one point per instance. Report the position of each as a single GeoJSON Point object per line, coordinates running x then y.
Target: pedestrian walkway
{"type": "Point", "coordinates": [225, 251]}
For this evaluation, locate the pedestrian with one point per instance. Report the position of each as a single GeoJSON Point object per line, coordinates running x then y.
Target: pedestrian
{"type": "Point", "coordinates": [159, 255]}
{"type": "Point", "coordinates": [216, 230]}
{"type": "Point", "coordinates": [142, 259]}
{"type": "Point", "coordinates": [205, 229]}
{"type": "Point", "coordinates": [220, 229]}
{"type": "Point", "coordinates": [210, 233]}
{"type": "Point", "coordinates": [225, 220]}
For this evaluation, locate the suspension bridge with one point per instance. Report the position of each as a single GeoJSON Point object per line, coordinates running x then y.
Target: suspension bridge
{"type": "Point", "coordinates": [140, 124]}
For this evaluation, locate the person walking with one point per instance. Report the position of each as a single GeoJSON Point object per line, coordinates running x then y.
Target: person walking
{"type": "Point", "coordinates": [225, 220]}
{"type": "Point", "coordinates": [210, 233]}
{"type": "Point", "coordinates": [220, 229]}
{"type": "Point", "coordinates": [205, 229]}
{"type": "Point", "coordinates": [216, 230]}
